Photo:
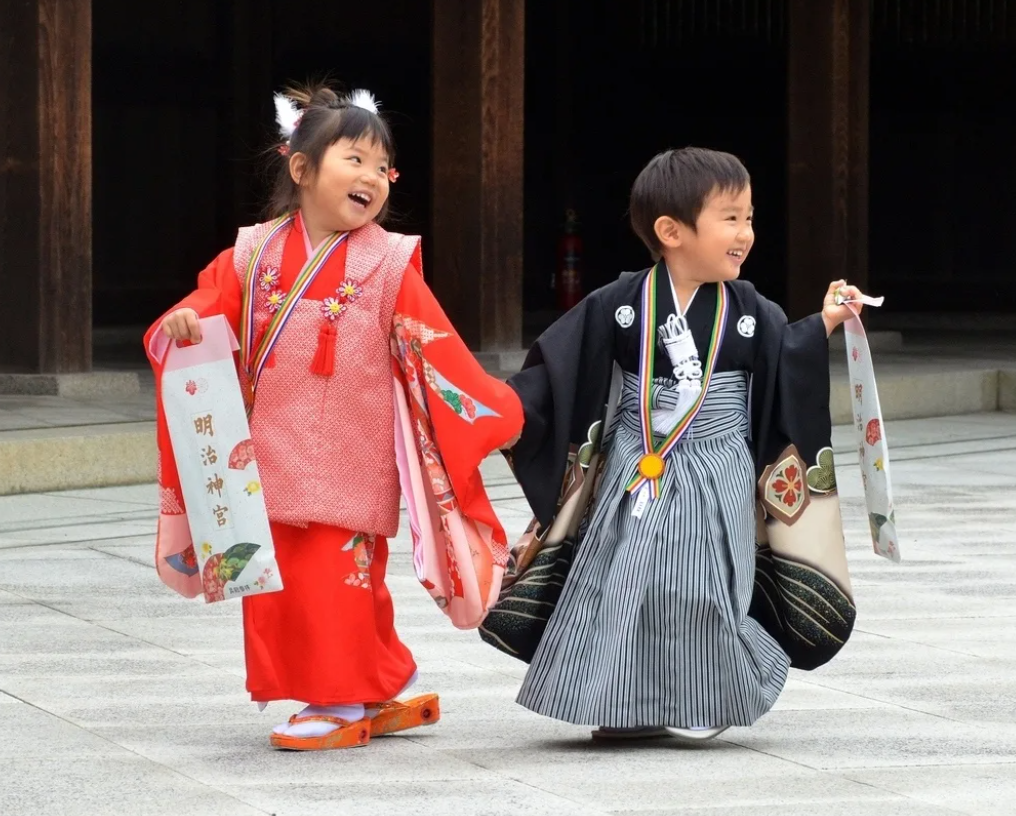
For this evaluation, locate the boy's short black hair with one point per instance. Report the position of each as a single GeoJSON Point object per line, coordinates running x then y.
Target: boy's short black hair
{"type": "Point", "coordinates": [678, 183]}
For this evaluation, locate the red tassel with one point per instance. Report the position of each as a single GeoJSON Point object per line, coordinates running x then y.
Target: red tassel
{"type": "Point", "coordinates": [324, 358]}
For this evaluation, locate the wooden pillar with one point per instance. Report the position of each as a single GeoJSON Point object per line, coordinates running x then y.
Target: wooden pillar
{"type": "Point", "coordinates": [478, 93]}
{"type": "Point", "coordinates": [828, 73]}
{"type": "Point", "coordinates": [46, 185]}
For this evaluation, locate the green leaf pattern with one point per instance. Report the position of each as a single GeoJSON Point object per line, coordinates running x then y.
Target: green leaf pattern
{"type": "Point", "coordinates": [822, 475]}
{"type": "Point", "coordinates": [235, 559]}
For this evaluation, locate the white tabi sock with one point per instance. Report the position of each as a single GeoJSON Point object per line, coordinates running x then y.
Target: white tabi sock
{"type": "Point", "coordinates": [318, 728]}
{"type": "Point", "coordinates": [349, 713]}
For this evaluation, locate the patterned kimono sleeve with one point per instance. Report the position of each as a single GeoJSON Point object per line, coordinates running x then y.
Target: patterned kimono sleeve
{"type": "Point", "coordinates": [803, 595]}
{"type": "Point", "coordinates": [218, 292]}
{"type": "Point", "coordinates": [563, 387]}
{"type": "Point", "coordinates": [450, 416]}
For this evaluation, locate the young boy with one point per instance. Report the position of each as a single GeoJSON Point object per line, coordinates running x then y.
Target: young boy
{"type": "Point", "coordinates": [679, 614]}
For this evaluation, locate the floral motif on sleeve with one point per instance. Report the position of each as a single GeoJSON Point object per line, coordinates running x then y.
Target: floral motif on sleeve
{"type": "Point", "coordinates": [784, 487]}
{"type": "Point", "coordinates": [411, 336]}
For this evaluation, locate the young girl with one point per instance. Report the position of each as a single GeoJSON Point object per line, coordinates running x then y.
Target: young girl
{"type": "Point", "coordinates": [677, 405]}
{"type": "Point", "coordinates": [355, 381]}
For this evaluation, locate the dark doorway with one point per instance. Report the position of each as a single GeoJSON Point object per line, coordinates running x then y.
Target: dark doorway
{"type": "Point", "coordinates": [183, 114]}
{"type": "Point", "coordinates": [943, 164]}
{"type": "Point", "coordinates": [609, 85]}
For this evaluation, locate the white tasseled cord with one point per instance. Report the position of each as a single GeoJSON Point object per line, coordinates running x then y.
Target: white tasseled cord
{"type": "Point", "coordinates": [679, 344]}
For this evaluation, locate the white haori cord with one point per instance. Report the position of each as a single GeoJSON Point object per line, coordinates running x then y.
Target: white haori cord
{"type": "Point", "coordinates": [678, 342]}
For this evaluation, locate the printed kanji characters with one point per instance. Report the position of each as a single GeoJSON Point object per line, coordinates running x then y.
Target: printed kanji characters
{"type": "Point", "coordinates": [215, 485]}
{"type": "Point", "coordinates": [203, 426]}
{"type": "Point", "coordinates": [221, 517]}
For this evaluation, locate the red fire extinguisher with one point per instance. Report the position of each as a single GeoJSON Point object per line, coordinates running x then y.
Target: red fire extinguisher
{"type": "Point", "coordinates": [568, 281]}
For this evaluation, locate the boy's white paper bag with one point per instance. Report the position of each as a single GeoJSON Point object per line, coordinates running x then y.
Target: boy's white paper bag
{"type": "Point", "coordinates": [873, 449]}
{"type": "Point", "coordinates": [219, 476]}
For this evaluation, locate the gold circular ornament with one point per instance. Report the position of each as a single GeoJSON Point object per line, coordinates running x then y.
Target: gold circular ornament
{"type": "Point", "coordinates": [651, 466]}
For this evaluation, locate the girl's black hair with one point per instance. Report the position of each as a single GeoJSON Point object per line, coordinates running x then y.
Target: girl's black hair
{"type": "Point", "coordinates": [326, 118]}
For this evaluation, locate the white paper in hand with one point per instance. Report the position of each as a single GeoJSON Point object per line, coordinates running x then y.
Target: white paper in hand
{"type": "Point", "coordinates": [873, 448]}
{"type": "Point", "coordinates": [218, 472]}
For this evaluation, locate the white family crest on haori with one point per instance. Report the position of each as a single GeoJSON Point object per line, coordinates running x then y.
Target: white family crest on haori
{"type": "Point", "coordinates": [625, 316]}
{"type": "Point", "coordinates": [746, 326]}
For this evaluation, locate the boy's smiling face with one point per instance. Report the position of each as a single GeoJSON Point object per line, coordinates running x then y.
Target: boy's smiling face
{"type": "Point", "coordinates": [722, 238]}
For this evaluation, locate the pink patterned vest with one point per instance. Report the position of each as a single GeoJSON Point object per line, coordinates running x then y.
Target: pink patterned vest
{"type": "Point", "coordinates": [325, 445]}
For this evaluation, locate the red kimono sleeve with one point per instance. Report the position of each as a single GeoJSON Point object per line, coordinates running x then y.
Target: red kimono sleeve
{"type": "Point", "coordinates": [218, 292]}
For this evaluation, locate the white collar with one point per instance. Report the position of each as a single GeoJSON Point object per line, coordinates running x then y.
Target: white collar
{"type": "Point", "coordinates": [673, 291]}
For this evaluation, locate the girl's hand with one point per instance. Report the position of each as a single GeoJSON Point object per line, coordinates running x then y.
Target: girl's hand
{"type": "Point", "coordinates": [833, 315]}
{"type": "Point", "coordinates": [511, 443]}
{"type": "Point", "coordinates": [182, 325]}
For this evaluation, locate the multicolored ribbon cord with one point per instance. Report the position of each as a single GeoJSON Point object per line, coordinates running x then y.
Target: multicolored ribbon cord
{"type": "Point", "coordinates": [253, 359]}
{"type": "Point", "coordinates": [653, 462]}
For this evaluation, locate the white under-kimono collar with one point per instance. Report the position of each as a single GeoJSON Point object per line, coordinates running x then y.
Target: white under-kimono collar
{"type": "Point", "coordinates": [673, 291]}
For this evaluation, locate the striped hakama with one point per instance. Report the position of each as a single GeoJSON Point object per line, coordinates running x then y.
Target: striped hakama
{"type": "Point", "coordinates": [652, 627]}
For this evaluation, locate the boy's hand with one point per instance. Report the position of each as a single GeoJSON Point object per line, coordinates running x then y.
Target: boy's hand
{"type": "Point", "coordinates": [833, 315]}
{"type": "Point", "coordinates": [182, 325]}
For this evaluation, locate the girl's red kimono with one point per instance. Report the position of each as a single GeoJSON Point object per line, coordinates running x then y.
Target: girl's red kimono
{"type": "Point", "coordinates": [367, 394]}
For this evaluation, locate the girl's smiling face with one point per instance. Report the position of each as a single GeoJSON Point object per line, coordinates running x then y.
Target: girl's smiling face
{"type": "Point", "coordinates": [350, 187]}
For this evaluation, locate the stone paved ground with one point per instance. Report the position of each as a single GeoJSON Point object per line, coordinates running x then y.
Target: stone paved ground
{"type": "Point", "coordinates": [118, 697]}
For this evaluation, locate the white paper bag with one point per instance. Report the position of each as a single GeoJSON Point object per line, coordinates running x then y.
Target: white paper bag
{"type": "Point", "coordinates": [873, 449]}
{"type": "Point", "coordinates": [218, 472]}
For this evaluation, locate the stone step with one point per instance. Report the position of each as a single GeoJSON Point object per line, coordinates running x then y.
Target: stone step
{"type": "Point", "coordinates": [85, 456]}
{"type": "Point", "coordinates": [76, 457]}
{"type": "Point", "coordinates": [912, 391]}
